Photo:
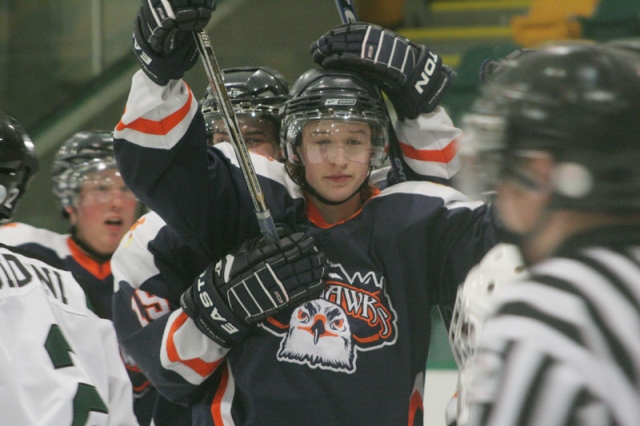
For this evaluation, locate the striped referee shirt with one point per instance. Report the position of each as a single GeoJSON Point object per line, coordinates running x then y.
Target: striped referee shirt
{"type": "Point", "coordinates": [563, 348]}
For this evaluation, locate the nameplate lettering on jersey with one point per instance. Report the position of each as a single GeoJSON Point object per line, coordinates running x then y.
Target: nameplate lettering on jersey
{"type": "Point", "coordinates": [14, 273]}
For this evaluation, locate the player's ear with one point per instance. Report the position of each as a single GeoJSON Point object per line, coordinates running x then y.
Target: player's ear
{"type": "Point", "coordinates": [73, 216]}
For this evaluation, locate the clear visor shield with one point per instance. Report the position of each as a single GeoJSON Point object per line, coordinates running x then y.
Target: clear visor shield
{"type": "Point", "coordinates": [355, 140]}
{"type": "Point", "coordinates": [101, 183]}
{"type": "Point", "coordinates": [482, 154]}
{"type": "Point", "coordinates": [256, 129]}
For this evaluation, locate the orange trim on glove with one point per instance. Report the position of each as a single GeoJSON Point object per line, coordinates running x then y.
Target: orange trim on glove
{"type": "Point", "coordinates": [201, 367]}
{"type": "Point", "coordinates": [162, 127]}
{"type": "Point", "coordinates": [444, 155]}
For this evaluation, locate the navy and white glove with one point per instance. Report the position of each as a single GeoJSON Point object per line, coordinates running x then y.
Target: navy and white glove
{"type": "Point", "coordinates": [413, 77]}
{"type": "Point", "coordinates": [163, 36]}
{"type": "Point", "coordinates": [253, 282]}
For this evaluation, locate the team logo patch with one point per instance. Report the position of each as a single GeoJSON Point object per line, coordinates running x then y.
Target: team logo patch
{"type": "Point", "coordinates": [353, 314]}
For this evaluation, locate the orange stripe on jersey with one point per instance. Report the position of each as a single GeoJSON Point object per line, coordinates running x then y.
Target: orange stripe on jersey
{"type": "Point", "coordinates": [201, 367]}
{"type": "Point", "coordinates": [216, 404]}
{"type": "Point", "coordinates": [162, 127]}
{"type": "Point", "coordinates": [444, 155]}
{"type": "Point", "coordinates": [97, 269]}
{"type": "Point", "coordinates": [415, 405]}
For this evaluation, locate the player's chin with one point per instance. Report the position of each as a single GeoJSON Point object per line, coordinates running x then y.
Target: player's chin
{"type": "Point", "coordinates": [340, 194]}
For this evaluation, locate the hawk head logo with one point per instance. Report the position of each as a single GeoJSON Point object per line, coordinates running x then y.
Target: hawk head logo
{"type": "Point", "coordinates": [319, 336]}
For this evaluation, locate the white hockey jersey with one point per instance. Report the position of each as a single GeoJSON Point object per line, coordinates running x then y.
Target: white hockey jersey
{"type": "Point", "coordinates": [59, 362]}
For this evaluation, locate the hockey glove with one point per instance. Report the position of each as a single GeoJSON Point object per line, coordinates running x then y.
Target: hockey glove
{"type": "Point", "coordinates": [162, 36]}
{"type": "Point", "coordinates": [413, 77]}
{"type": "Point", "coordinates": [253, 282]}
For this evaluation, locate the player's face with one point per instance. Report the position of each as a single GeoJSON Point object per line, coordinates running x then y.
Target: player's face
{"type": "Point", "coordinates": [105, 209]}
{"type": "Point", "coordinates": [336, 156]}
{"type": "Point", "coordinates": [259, 134]}
{"type": "Point", "coordinates": [522, 202]}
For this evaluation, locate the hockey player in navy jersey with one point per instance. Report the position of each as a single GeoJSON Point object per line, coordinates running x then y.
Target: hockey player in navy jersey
{"type": "Point", "coordinates": [152, 266]}
{"type": "Point", "coordinates": [356, 352]}
{"type": "Point", "coordinates": [555, 135]}
{"type": "Point", "coordinates": [59, 362]}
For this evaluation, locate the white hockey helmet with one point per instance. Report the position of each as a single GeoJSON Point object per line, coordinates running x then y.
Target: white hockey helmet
{"type": "Point", "coordinates": [501, 266]}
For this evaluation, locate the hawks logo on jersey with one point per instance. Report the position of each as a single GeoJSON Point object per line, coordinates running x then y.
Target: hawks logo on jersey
{"type": "Point", "coordinates": [353, 314]}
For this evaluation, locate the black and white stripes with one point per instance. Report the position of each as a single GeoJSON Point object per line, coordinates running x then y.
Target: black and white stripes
{"type": "Point", "coordinates": [564, 347]}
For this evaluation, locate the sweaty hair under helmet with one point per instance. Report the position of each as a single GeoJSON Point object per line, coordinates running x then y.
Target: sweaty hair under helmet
{"type": "Point", "coordinates": [18, 165]}
{"type": "Point", "coordinates": [255, 91]}
{"type": "Point", "coordinates": [578, 101]}
{"type": "Point", "coordinates": [83, 153]}
{"type": "Point", "coordinates": [333, 95]}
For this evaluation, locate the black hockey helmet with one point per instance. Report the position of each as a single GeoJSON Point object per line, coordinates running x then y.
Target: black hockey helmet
{"type": "Point", "coordinates": [83, 153]}
{"type": "Point", "coordinates": [333, 95]}
{"type": "Point", "coordinates": [255, 91]}
{"type": "Point", "coordinates": [18, 165]}
{"type": "Point", "coordinates": [578, 101]}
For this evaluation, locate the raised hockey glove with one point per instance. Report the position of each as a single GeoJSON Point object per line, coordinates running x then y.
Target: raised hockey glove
{"type": "Point", "coordinates": [413, 77]}
{"type": "Point", "coordinates": [253, 282]}
{"type": "Point", "coordinates": [162, 36]}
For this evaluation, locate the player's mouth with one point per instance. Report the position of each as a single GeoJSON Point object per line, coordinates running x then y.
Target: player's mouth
{"type": "Point", "coordinates": [114, 224]}
{"type": "Point", "coordinates": [338, 178]}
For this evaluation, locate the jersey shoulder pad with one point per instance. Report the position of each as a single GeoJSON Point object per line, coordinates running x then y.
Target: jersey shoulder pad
{"type": "Point", "coordinates": [18, 234]}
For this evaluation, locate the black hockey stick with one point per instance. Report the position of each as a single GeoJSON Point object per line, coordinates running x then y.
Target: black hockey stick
{"type": "Point", "coordinates": [212, 69]}
{"type": "Point", "coordinates": [398, 165]}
